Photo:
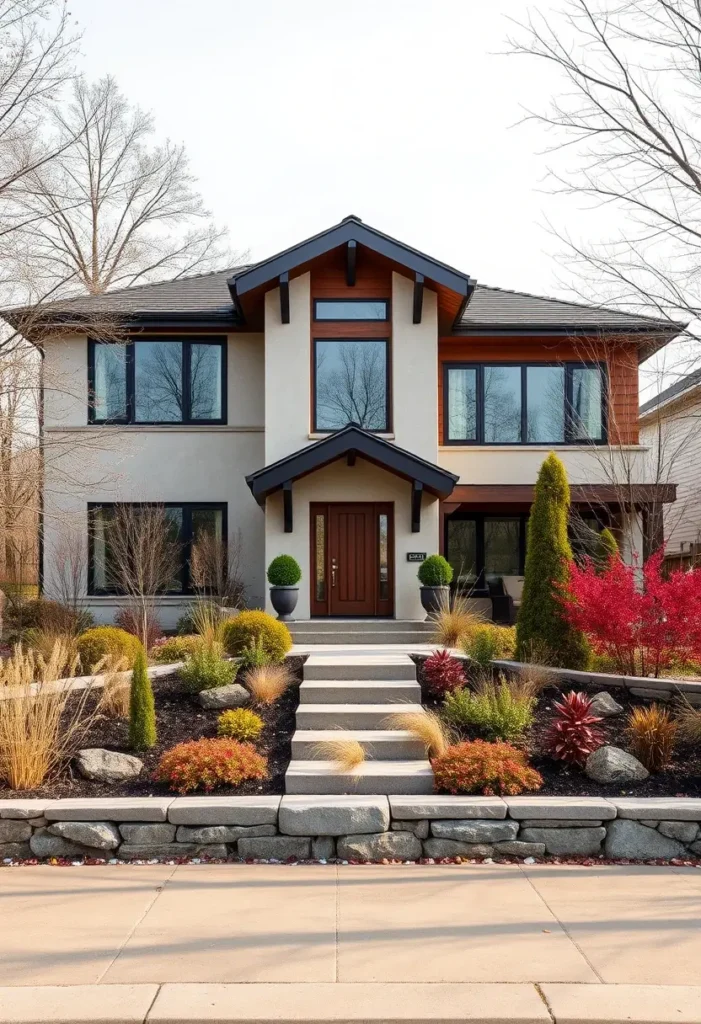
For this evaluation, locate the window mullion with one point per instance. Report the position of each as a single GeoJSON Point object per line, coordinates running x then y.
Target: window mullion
{"type": "Point", "coordinates": [569, 428]}
{"type": "Point", "coordinates": [187, 398]}
{"type": "Point", "coordinates": [480, 407]}
{"type": "Point", "coordinates": [524, 408]}
{"type": "Point", "coordinates": [131, 381]}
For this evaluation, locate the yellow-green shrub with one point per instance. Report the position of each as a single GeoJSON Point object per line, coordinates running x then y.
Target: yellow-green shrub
{"type": "Point", "coordinates": [259, 628]}
{"type": "Point", "coordinates": [240, 724]}
{"type": "Point", "coordinates": [175, 648]}
{"type": "Point", "coordinates": [97, 643]}
{"type": "Point", "coordinates": [486, 642]}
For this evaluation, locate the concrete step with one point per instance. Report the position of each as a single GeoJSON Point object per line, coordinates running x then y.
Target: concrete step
{"type": "Point", "coordinates": [404, 778]}
{"type": "Point", "coordinates": [349, 716]}
{"type": "Point", "coordinates": [360, 626]}
{"type": "Point", "coordinates": [412, 637]}
{"type": "Point", "coordinates": [378, 744]}
{"type": "Point", "coordinates": [359, 691]}
{"type": "Point", "coordinates": [345, 665]}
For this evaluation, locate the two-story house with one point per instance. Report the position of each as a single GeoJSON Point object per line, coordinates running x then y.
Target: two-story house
{"type": "Point", "coordinates": [352, 402]}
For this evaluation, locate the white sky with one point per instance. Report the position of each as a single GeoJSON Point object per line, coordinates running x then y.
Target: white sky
{"type": "Point", "coordinates": [296, 113]}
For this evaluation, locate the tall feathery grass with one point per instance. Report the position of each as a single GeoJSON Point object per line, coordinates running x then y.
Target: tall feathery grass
{"type": "Point", "coordinates": [454, 620]}
{"type": "Point", "coordinates": [116, 690]}
{"type": "Point", "coordinates": [347, 754]}
{"type": "Point", "coordinates": [42, 723]}
{"type": "Point", "coordinates": [267, 683]}
{"type": "Point", "coordinates": [688, 719]}
{"type": "Point", "coordinates": [26, 666]}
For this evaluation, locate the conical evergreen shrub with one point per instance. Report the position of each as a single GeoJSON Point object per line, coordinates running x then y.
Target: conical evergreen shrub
{"type": "Point", "coordinates": [142, 709]}
{"type": "Point", "coordinates": [607, 547]}
{"type": "Point", "coordinates": [542, 632]}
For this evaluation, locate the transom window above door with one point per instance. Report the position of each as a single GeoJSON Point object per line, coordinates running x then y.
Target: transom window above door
{"type": "Point", "coordinates": [351, 383]}
{"type": "Point", "coordinates": [539, 403]}
{"type": "Point", "coordinates": [158, 380]}
{"type": "Point", "coordinates": [351, 309]}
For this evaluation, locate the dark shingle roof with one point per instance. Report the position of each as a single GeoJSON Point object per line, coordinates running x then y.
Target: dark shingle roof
{"type": "Point", "coordinates": [673, 391]}
{"type": "Point", "coordinates": [500, 309]}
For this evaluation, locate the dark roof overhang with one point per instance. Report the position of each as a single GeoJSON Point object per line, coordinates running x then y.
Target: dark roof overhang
{"type": "Point", "coordinates": [351, 230]}
{"type": "Point", "coordinates": [350, 441]}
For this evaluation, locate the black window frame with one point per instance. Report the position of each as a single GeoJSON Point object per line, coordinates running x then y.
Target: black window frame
{"type": "Point", "coordinates": [186, 538]}
{"type": "Point", "coordinates": [387, 429]}
{"type": "Point", "coordinates": [355, 320]}
{"type": "Point", "coordinates": [480, 588]}
{"type": "Point", "coordinates": [187, 341]}
{"type": "Point", "coordinates": [571, 437]}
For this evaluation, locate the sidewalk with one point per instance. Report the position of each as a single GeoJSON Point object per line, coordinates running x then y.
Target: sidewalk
{"type": "Point", "coordinates": [487, 927]}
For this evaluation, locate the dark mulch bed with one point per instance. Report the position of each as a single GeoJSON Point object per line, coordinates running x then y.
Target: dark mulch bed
{"type": "Point", "coordinates": [179, 718]}
{"type": "Point", "coordinates": [681, 778]}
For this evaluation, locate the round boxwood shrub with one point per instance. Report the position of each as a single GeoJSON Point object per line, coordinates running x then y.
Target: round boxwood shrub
{"type": "Point", "coordinates": [240, 724]}
{"type": "Point", "coordinates": [205, 669]}
{"type": "Point", "coordinates": [435, 571]}
{"type": "Point", "coordinates": [259, 629]}
{"type": "Point", "coordinates": [284, 571]}
{"type": "Point", "coordinates": [97, 643]}
{"type": "Point", "coordinates": [175, 648]}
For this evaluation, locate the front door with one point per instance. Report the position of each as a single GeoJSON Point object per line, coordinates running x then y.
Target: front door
{"type": "Point", "coordinates": [352, 546]}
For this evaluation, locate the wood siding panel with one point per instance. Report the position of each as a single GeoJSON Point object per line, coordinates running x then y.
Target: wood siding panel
{"type": "Point", "coordinates": [620, 357]}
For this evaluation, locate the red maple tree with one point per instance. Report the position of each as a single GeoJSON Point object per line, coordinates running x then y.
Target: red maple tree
{"type": "Point", "coordinates": [643, 620]}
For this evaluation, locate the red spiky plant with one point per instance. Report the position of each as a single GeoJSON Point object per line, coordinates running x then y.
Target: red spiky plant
{"type": "Point", "coordinates": [443, 674]}
{"type": "Point", "coordinates": [573, 735]}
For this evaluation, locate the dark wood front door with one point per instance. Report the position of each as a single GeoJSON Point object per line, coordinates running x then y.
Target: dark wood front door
{"type": "Point", "coordinates": [352, 548]}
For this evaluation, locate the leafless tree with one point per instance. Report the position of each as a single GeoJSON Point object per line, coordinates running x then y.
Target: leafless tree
{"type": "Point", "coordinates": [70, 566]}
{"type": "Point", "coordinates": [215, 569]}
{"type": "Point", "coordinates": [351, 385]}
{"type": "Point", "coordinates": [115, 208]}
{"type": "Point", "coordinates": [142, 559]}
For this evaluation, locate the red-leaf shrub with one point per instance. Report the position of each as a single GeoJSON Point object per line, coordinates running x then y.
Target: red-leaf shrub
{"type": "Point", "coordinates": [130, 621]}
{"type": "Point", "coordinates": [573, 735]}
{"type": "Point", "coordinates": [209, 763]}
{"type": "Point", "coordinates": [489, 768]}
{"type": "Point", "coordinates": [443, 674]}
{"type": "Point", "coordinates": [643, 630]}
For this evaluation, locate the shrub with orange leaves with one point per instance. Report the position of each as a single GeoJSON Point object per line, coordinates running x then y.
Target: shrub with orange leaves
{"type": "Point", "coordinates": [494, 769]}
{"type": "Point", "coordinates": [210, 763]}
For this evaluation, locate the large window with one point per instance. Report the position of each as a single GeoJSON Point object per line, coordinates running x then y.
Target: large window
{"type": "Point", "coordinates": [159, 380]}
{"type": "Point", "coordinates": [351, 309]}
{"type": "Point", "coordinates": [351, 383]}
{"type": "Point", "coordinates": [481, 548]}
{"type": "Point", "coordinates": [524, 404]}
{"type": "Point", "coordinates": [185, 524]}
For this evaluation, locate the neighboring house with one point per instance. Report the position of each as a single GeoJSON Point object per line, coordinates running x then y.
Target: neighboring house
{"type": "Point", "coordinates": [352, 402]}
{"type": "Point", "coordinates": [669, 426]}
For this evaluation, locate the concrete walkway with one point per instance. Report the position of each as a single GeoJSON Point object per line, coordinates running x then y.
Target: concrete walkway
{"type": "Point", "coordinates": [350, 943]}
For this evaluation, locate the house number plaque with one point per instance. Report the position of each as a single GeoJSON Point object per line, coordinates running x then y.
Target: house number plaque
{"type": "Point", "coordinates": [416, 556]}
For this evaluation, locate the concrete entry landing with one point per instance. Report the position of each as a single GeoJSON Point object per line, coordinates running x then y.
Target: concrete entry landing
{"type": "Point", "coordinates": [352, 693]}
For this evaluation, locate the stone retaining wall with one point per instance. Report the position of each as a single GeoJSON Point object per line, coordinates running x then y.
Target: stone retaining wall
{"type": "Point", "coordinates": [639, 686]}
{"type": "Point", "coordinates": [350, 827]}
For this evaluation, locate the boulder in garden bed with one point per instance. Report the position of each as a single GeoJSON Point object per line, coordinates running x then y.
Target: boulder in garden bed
{"type": "Point", "coordinates": [603, 705]}
{"type": "Point", "coordinates": [612, 765]}
{"type": "Point", "coordinates": [111, 766]}
{"type": "Point", "coordinates": [223, 697]}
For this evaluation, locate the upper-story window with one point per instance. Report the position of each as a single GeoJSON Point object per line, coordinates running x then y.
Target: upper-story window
{"type": "Point", "coordinates": [351, 309]}
{"type": "Point", "coordinates": [351, 383]}
{"type": "Point", "coordinates": [159, 380]}
{"type": "Point", "coordinates": [504, 403]}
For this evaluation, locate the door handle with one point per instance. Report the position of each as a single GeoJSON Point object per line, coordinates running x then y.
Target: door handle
{"type": "Point", "coordinates": [333, 572]}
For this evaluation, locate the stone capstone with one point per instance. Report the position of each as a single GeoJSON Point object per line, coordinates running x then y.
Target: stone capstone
{"type": "Point", "coordinates": [323, 848]}
{"type": "Point", "coordinates": [399, 845]}
{"type": "Point", "coordinates": [475, 831]}
{"type": "Point", "coordinates": [417, 828]}
{"type": "Point", "coordinates": [100, 835]}
{"type": "Point", "coordinates": [612, 765]}
{"type": "Point", "coordinates": [231, 696]}
{"type": "Point", "coordinates": [148, 834]}
{"type": "Point", "coordinates": [275, 848]}
{"type": "Point", "coordinates": [566, 842]}
{"type": "Point", "coordinates": [603, 705]}
{"type": "Point", "coordinates": [333, 816]}
{"type": "Point", "coordinates": [14, 831]}
{"type": "Point", "coordinates": [108, 765]}
{"type": "Point", "coordinates": [18, 851]}
{"type": "Point", "coordinates": [43, 844]}
{"type": "Point", "coordinates": [684, 831]}
{"type": "Point", "coordinates": [438, 848]}
{"type": "Point", "coordinates": [632, 841]}
{"type": "Point", "coordinates": [222, 833]}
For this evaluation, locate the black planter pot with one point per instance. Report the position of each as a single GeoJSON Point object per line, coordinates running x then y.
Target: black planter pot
{"type": "Point", "coordinates": [432, 598]}
{"type": "Point", "coordinates": [284, 601]}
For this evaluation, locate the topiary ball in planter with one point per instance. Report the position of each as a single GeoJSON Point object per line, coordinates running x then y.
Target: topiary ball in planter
{"type": "Point", "coordinates": [435, 574]}
{"type": "Point", "coordinates": [284, 574]}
